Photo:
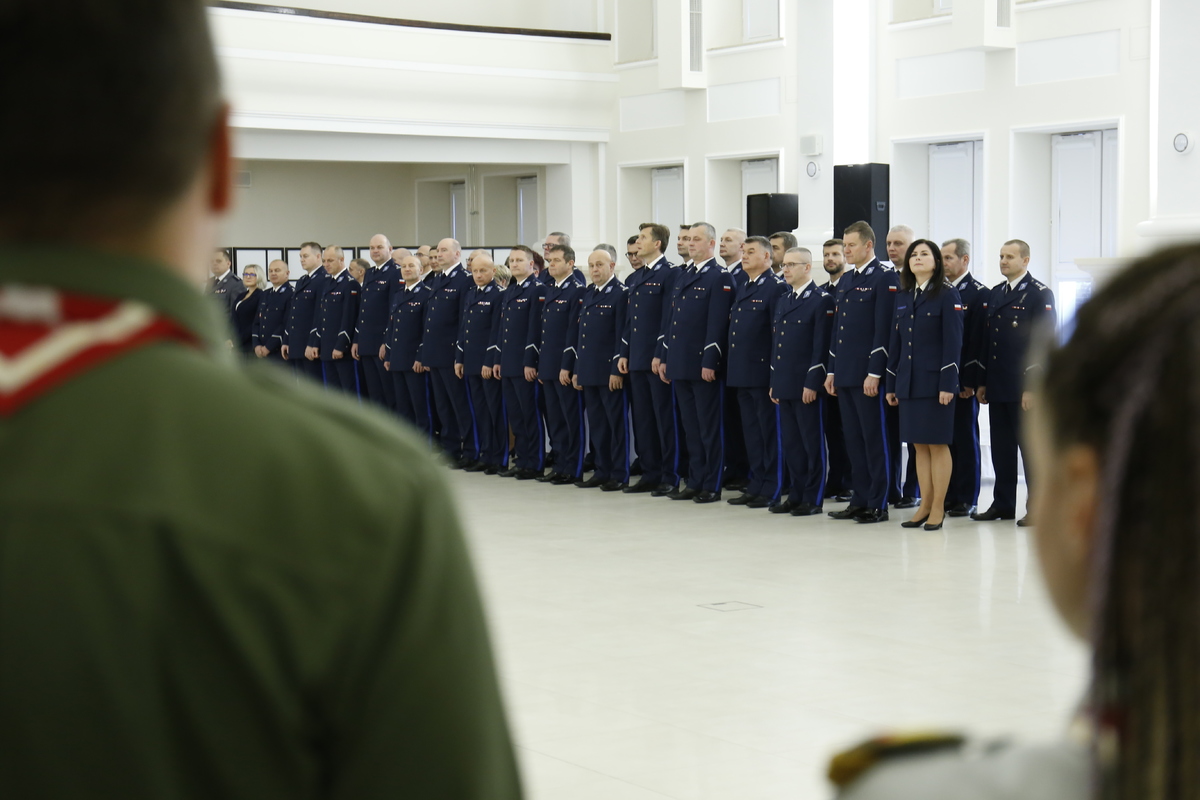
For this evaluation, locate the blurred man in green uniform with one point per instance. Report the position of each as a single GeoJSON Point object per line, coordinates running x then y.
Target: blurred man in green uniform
{"type": "Point", "coordinates": [213, 583]}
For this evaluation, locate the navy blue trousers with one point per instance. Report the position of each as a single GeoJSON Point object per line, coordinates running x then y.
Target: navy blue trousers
{"type": "Point", "coordinates": [965, 476]}
{"type": "Point", "coordinates": [411, 390]}
{"type": "Point", "coordinates": [487, 413]}
{"type": "Point", "coordinates": [564, 421]}
{"type": "Point", "coordinates": [801, 425]}
{"type": "Point", "coordinates": [700, 408]}
{"type": "Point", "coordinates": [760, 431]}
{"type": "Point", "coordinates": [838, 481]}
{"type": "Point", "coordinates": [341, 374]}
{"type": "Point", "coordinates": [1007, 419]}
{"type": "Point", "coordinates": [454, 411]}
{"type": "Point", "coordinates": [521, 405]}
{"type": "Point", "coordinates": [312, 369]}
{"type": "Point", "coordinates": [866, 445]}
{"type": "Point", "coordinates": [738, 464]}
{"type": "Point", "coordinates": [655, 427]}
{"type": "Point", "coordinates": [607, 414]}
{"type": "Point", "coordinates": [378, 382]}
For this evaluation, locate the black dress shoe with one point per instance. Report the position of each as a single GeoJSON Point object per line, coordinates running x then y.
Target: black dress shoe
{"type": "Point", "coordinates": [511, 472]}
{"type": "Point", "coordinates": [870, 515]}
{"type": "Point", "coordinates": [960, 510]}
{"type": "Point", "coordinates": [759, 502]}
{"type": "Point", "coordinates": [993, 513]}
{"type": "Point", "coordinates": [1025, 522]}
{"type": "Point", "coordinates": [612, 486]}
{"type": "Point", "coordinates": [937, 527]}
{"type": "Point", "coordinates": [475, 466]}
{"type": "Point", "coordinates": [681, 493]}
{"type": "Point", "coordinates": [591, 483]}
{"type": "Point", "coordinates": [914, 523]}
{"type": "Point", "coordinates": [735, 484]}
{"type": "Point", "coordinates": [462, 462]}
{"type": "Point", "coordinates": [849, 512]}
{"type": "Point", "coordinates": [740, 500]}
{"type": "Point", "coordinates": [783, 507]}
{"type": "Point", "coordinates": [707, 497]}
{"type": "Point", "coordinates": [491, 469]}
{"type": "Point", "coordinates": [806, 510]}
{"type": "Point", "coordinates": [844, 497]}
{"type": "Point", "coordinates": [640, 487]}
{"type": "Point", "coordinates": [663, 490]}
{"type": "Point", "coordinates": [548, 477]}
{"type": "Point", "coordinates": [529, 474]}
{"type": "Point", "coordinates": [562, 480]}
{"type": "Point", "coordinates": [906, 502]}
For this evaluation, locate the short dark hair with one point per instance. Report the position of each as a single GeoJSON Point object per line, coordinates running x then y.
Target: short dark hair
{"type": "Point", "coordinates": [314, 246]}
{"type": "Point", "coordinates": [833, 243]}
{"type": "Point", "coordinates": [937, 282]}
{"type": "Point", "coordinates": [761, 241]}
{"type": "Point", "coordinates": [534, 258]}
{"type": "Point", "coordinates": [631, 240]}
{"type": "Point", "coordinates": [863, 229]}
{"type": "Point", "coordinates": [141, 75]}
{"type": "Point", "coordinates": [789, 240]}
{"type": "Point", "coordinates": [1022, 246]}
{"type": "Point", "coordinates": [659, 233]}
{"type": "Point", "coordinates": [566, 249]}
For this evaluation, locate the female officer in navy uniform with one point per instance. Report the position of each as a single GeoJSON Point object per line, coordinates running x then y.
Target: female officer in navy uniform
{"type": "Point", "coordinates": [922, 375]}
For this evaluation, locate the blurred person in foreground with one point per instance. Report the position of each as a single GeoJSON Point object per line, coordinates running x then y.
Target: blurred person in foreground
{"type": "Point", "coordinates": [1113, 431]}
{"type": "Point", "coordinates": [158, 640]}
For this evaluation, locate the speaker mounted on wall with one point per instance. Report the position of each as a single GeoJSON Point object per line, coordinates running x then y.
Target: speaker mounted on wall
{"type": "Point", "coordinates": [860, 192]}
{"type": "Point", "coordinates": [772, 213]}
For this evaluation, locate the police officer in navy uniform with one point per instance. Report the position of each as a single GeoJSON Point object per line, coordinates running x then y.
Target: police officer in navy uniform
{"type": "Point", "coordinates": [801, 326]}
{"type": "Point", "coordinates": [696, 334]}
{"type": "Point", "coordinates": [302, 312]}
{"type": "Point", "coordinates": [552, 239]}
{"type": "Point", "coordinates": [564, 404]}
{"type": "Point", "coordinates": [749, 372]}
{"type": "Point", "coordinates": [225, 284]}
{"type": "Point", "coordinates": [402, 338]}
{"type": "Point", "coordinates": [963, 494]}
{"type": "Point", "coordinates": [737, 461]}
{"type": "Point", "coordinates": [1015, 308]}
{"type": "Point", "coordinates": [516, 363]}
{"type": "Point", "coordinates": [443, 313]}
{"type": "Point", "coordinates": [596, 333]}
{"type": "Point", "coordinates": [857, 363]}
{"type": "Point", "coordinates": [651, 401]}
{"type": "Point", "coordinates": [272, 312]}
{"type": "Point", "coordinates": [837, 481]}
{"type": "Point", "coordinates": [337, 311]}
{"type": "Point", "coordinates": [379, 287]}
{"type": "Point", "coordinates": [476, 353]}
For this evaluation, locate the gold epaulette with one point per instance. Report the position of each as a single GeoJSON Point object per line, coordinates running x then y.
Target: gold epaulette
{"type": "Point", "coordinates": [848, 766]}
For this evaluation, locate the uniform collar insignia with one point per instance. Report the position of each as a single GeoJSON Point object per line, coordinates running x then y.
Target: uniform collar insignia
{"type": "Point", "coordinates": [807, 292]}
{"type": "Point", "coordinates": [868, 270]}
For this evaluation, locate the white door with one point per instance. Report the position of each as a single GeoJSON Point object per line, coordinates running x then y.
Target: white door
{"type": "Point", "coordinates": [458, 213]}
{"type": "Point", "coordinates": [667, 197]}
{"type": "Point", "coordinates": [1083, 206]}
{"type": "Point", "coordinates": [759, 176]}
{"type": "Point", "coordinates": [527, 210]}
{"type": "Point", "coordinates": [956, 192]}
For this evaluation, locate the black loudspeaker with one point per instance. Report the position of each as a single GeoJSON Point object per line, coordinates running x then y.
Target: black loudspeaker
{"type": "Point", "coordinates": [860, 191]}
{"type": "Point", "coordinates": [772, 213]}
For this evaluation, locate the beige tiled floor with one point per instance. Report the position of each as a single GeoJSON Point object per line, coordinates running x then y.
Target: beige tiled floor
{"type": "Point", "coordinates": [622, 687]}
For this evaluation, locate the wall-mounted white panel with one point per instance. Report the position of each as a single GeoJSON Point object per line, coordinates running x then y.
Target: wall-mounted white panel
{"type": "Point", "coordinates": [760, 19]}
{"type": "Point", "coordinates": [744, 100]}
{"type": "Point", "coordinates": [944, 73]}
{"type": "Point", "coordinates": [643, 112]}
{"type": "Point", "coordinates": [667, 196]}
{"type": "Point", "coordinates": [1068, 58]}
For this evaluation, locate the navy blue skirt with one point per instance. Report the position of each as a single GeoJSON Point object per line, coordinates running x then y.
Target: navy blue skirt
{"type": "Point", "coordinates": [923, 420]}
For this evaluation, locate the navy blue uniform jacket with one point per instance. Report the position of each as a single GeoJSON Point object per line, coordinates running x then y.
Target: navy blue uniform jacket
{"type": "Point", "coordinates": [1011, 319]}
{"type": "Point", "coordinates": [800, 342]}
{"type": "Point", "coordinates": [337, 311]}
{"type": "Point", "coordinates": [926, 344]}
{"type": "Point", "coordinates": [863, 324]}
{"type": "Point", "coordinates": [750, 320]}
{"type": "Point", "coordinates": [561, 304]}
{"type": "Point", "coordinates": [302, 312]}
{"type": "Point", "coordinates": [594, 339]}
{"type": "Point", "coordinates": [406, 325]}
{"type": "Point", "coordinates": [443, 313]}
{"type": "Point", "coordinates": [379, 288]}
{"type": "Point", "coordinates": [272, 316]}
{"type": "Point", "coordinates": [697, 328]}
{"type": "Point", "coordinates": [520, 326]}
{"type": "Point", "coordinates": [477, 331]}
{"type": "Point", "coordinates": [649, 293]}
{"type": "Point", "coordinates": [974, 296]}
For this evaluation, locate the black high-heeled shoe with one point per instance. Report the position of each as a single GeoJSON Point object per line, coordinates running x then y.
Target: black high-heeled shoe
{"type": "Point", "coordinates": [915, 523]}
{"type": "Point", "coordinates": [937, 527]}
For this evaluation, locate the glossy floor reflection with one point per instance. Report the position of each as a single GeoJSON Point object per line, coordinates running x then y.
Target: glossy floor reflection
{"type": "Point", "coordinates": [622, 685]}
